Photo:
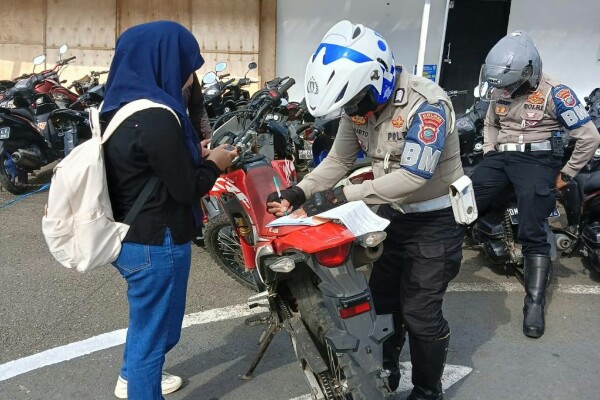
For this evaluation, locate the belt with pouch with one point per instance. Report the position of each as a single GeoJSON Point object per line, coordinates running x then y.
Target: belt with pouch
{"type": "Point", "coordinates": [439, 203]}
{"type": "Point", "coordinates": [525, 147]}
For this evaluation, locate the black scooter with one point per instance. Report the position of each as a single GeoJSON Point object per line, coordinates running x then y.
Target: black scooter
{"type": "Point", "coordinates": [35, 133]}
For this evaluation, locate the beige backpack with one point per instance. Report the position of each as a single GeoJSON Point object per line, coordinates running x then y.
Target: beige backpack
{"type": "Point", "coordinates": [78, 223]}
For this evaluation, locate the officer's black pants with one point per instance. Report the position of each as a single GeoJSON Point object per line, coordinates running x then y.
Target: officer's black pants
{"type": "Point", "coordinates": [533, 177]}
{"type": "Point", "coordinates": [421, 255]}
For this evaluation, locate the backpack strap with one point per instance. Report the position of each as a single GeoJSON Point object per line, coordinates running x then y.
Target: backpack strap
{"type": "Point", "coordinates": [141, 200]}
{"type": "Point", "coordinates": [127, 111]}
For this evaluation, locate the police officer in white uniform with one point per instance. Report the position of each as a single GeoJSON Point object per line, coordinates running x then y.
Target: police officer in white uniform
{"type": "Point", "coordinates": [523, 146]}
{"type": "Point", "coordinates": [405, 124]}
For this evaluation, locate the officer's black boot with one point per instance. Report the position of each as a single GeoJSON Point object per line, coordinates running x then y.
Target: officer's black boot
{"type": "Point", "coordinates": [392, 347]}
{"type": "Point", "coordinates": [428, 361]}
{"type": "Point", "coordinates": [535, 273]}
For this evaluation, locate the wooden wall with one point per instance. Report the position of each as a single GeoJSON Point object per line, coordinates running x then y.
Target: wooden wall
{"type": "Point", "coordinates": [234, 31]}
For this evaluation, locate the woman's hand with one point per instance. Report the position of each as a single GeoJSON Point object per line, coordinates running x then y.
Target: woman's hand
{"type": "Point", "coordinates": [222, 156]}
{"type": "Point", "coordinates": [204, 148]}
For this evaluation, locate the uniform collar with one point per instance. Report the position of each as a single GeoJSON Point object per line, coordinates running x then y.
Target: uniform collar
{"type": "Point", "coordinates": [398, 98]}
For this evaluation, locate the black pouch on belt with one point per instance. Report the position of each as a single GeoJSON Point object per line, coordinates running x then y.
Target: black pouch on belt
{"type": "Point", "coordinates": [558, 147]}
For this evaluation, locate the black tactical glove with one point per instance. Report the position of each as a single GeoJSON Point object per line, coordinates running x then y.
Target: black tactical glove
{"type": "Point", "coordinates": [325, 200]}
{"type": "Point", "coordinates": [293, 194]}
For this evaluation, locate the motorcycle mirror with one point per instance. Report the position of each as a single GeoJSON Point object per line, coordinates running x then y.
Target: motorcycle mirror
{"type": "Point", "coordinates": [220, 66]}
{"type": "Point", "coordinates": [209, 78]}
{"type": "Point", "coordinates": [39, 59]}
{"type": "Point", "coordinates": [251, 66]}
{"type": "Point", "coordinates": [62, 50]}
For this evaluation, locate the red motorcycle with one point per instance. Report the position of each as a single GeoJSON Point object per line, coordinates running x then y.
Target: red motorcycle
{"type": "Point", "coordinates": [307, 275]}
{"type": "Point", "coordinates": [52, 85]}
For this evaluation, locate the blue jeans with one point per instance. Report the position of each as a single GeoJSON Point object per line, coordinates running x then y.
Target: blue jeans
{"type": "Point", "coordinates": [156, 288]}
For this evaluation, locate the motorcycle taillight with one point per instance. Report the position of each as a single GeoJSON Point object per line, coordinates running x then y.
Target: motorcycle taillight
{"type": "Point", "coordinates": [355, 309]}
{"type": "Point", "coordinates": [335, 256]}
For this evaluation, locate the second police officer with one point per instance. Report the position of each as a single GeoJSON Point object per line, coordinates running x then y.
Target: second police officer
{"type": "Point", "coordinates": [523, 146]}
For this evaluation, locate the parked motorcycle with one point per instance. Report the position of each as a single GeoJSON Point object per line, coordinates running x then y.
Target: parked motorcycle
{"type": "Point", "coordinates": [35, 133]}
{"type": "Point", "coordinates": [222, 97]}
{"type": "Point", "coordinates": [581, 201]}
{"type": "Point", "coordinates": [89, 89]}
{"type": "Point", "coordinates": [307, 274]}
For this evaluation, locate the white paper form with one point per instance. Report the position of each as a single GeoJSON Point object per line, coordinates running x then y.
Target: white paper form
{"type": "Point", "coordinates": [356, 216]}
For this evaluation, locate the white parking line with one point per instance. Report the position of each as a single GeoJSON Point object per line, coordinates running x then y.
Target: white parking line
{"type": "Point", "coordinates": [116, 338]}
{"type": "Point", "coordinates": [111, 339]}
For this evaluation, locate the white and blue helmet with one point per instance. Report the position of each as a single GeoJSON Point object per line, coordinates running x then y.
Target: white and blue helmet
{"type": "Point", "coordinates": [353, 68]}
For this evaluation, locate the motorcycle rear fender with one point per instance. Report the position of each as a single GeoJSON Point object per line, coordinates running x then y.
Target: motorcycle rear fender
{"type": "Point", "coordinates": [360, 336]}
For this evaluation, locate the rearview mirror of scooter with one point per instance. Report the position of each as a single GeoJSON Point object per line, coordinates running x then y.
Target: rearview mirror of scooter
{"type": "Point", "coordinates": [63, 49]}
{"type": "Point", "coordinates": [251, 66]}
{"type": "Point", "coordinates": [209, 78]}
{"type": "Point", "coordinates": [220, 66]}
{"type": "Point", "coordinates": [38, 60]}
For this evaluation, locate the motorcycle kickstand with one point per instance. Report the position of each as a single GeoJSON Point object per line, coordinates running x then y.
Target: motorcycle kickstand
{"type": "Point", "coordinates": [266, 339]}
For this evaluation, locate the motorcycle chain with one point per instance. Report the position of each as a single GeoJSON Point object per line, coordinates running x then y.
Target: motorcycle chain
{"type": "Point", "coordinates": [326, 386]}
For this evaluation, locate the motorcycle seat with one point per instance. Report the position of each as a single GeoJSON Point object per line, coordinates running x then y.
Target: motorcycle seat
{"type": "Point", "coordinates": [592, 184]}
{"type": "Point", "coordinates": [23, 112]}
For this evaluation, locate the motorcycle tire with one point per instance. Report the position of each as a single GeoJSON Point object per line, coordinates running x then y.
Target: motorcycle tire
{"type": "Point", "coordinates": [358, 384]}
{"type": "Point", "coordinates": [223, 245]}
{"type": "Point", "coordinates": [17, 184]}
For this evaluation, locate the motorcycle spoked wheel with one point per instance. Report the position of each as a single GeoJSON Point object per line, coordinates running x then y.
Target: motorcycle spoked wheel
{"type": "Point", "coordinates": [14, 179]}
{"type": "Point", "coordinates": [345, 379]}
{"type": "Point", "coordinates": [223, 245]}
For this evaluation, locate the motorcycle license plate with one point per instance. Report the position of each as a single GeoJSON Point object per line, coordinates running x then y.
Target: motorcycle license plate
{"type": "Point", "coordinates": [305, 154]}
{"type": "Point", "coordinates": [5, 132]}
{"type": "Point", "coordinates": [513, 212]}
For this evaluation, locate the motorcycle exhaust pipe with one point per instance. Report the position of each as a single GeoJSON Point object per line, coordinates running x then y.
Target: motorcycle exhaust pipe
{"type": "Point", "coordinates": [27, 159]}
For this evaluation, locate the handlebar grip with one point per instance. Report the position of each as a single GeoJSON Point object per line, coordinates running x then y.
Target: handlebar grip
{"type": "Point", "coordinates": [66, 60]}
{"type": "Point", "coordinates": [229, 82]}
{"type": "Point", "coordinates": [286, 85]}
{"type": "Point", "coordinates": [224, 75]}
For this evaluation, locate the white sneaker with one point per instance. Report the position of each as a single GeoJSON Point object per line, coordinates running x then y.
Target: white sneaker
{"type": "Point", "coordinates": [168, 384]}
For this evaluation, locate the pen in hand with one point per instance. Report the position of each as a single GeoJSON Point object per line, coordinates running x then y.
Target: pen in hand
{"type": "Point", "coordinates": [278, 192]}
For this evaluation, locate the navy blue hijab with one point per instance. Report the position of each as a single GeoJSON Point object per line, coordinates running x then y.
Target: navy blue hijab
{"type": "Point", "coordinates": [153, 61]}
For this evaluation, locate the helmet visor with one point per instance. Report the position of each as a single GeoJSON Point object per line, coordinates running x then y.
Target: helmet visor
{"type": "Point", "coordinates": [496, 82]}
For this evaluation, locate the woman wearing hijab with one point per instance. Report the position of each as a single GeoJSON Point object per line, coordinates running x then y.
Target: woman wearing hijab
{"type": "Point", "coordinates": [155, 61]}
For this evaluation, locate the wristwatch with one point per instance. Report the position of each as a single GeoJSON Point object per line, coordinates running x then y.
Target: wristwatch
{"type": "Point", "coordinates": [565, 177]}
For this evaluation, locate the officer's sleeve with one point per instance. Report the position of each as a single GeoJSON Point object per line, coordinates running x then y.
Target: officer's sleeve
{"type": "Point", "coordinates": [571, 114]}
{"type": "Point", "coordinates": [338, 162]}
{"type": "Point", "coordinates": [491, 128]}
{"type": "Point", "coordinates": [423, 147]}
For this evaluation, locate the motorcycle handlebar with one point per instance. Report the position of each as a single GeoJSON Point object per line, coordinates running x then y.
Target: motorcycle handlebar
{"type": "Point", "coordinates": [66, 60]}
{"type": "Point", "coordinates": [287, 85]}
{"type": "Point", "coordinates": [229, 82]}
{"type": "Point", "coordinates": [224, 75]}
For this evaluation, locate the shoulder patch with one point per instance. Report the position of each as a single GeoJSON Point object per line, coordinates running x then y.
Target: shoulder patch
{"type": "Point", "coordinates": [424, 141]}
{"type": "Point", "coordinates": [570, 113]}
{"type": "Point", "coordinates": [429, 126]}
